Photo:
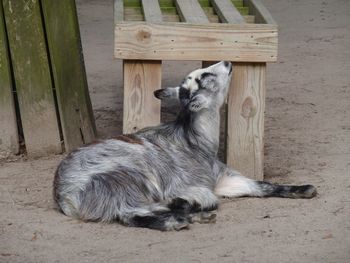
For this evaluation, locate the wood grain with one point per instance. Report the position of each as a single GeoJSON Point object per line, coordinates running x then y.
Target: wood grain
{"type": "Point", "coordinates": [246, 104]}
{"type": "Point", "coordinates": [227, 12]}
{"type": "Point", "coordinates": [32, 77]}
{"type": "Point", "coordinates": [63, 38]}
{"type": "Point", "coordinates": [141, 108]}
{"type": "Point", "coordinates": [8, 125]}
{"type": "Point", "coordinates": [190, 11]}
{"type": "Point", "coordinates": [211, 42]}
{"type": "Point", "coordinates": [151, 11]}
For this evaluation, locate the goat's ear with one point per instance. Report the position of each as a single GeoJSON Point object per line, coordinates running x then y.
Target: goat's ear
{"type": "Point", "coordinates": [167, 93]}
{"type": "Point", "coordinates": [198, 103]}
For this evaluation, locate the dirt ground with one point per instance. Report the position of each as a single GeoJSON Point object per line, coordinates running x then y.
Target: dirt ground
{"type": "Point", "coordinates": [307, 141]}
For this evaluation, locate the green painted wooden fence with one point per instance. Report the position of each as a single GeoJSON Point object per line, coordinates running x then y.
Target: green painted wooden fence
{"type": "Point", "coordinates": [42, 50]}
{"type": "Point", "coordinates": [8, 125]}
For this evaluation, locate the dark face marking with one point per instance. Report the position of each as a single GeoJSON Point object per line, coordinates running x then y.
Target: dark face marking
{"type": "Point", "coordinates": [184, 94]}
{"type": "Point", "coordinates": [129, 138]}
{"type": "Point", "coordinates": [207, 74]}
{"type": "Point", "coordinates": [200, 86]}
{"type": "Point", "coordinates": [203, 77]}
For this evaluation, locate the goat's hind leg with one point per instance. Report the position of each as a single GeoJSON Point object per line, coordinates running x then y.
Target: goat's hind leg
{"type": "Point", "coordinates": [233, 184]}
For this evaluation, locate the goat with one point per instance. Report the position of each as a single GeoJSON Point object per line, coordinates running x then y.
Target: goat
{"type": "Point", "coordinates": [162, 177]}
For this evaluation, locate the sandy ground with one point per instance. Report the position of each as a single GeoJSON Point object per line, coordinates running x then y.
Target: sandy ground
{"type": "Point", "coordinates": [307, 140]}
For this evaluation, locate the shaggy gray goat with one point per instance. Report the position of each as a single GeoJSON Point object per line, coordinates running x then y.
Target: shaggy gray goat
{"type": "Point", "coordinates": [162, 177]}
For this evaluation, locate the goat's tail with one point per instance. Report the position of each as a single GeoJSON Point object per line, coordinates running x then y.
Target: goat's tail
{"type": "Point", "coordinates": [236, 185]}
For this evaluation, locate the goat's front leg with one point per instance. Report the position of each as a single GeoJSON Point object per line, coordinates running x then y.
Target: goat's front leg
{"type": "Point", "coordinates": [193, 211]}
{"type": "Point", "coordinates": [197, 204]}
{"type": "Point", "coordinates": [232, 184]}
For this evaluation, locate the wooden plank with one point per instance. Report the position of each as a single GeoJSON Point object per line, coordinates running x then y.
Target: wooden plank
{"type": "Point", "coordinates": [68, 70]}
{"type": "Point", "coordinates": [227, 11]}
{"type": "Point", "coordinates": [246, 104]}
{"type": "Point", "coordinates": [206, 3]}
{"type": "Point", "coordinates": [190, 11]}
{"type": "Point", "coordinates": [249, 19]}
{"type": "Point", "coordinates": [245, 118]}
{"type": "Point", "coordinates": [134, 18]}
{"type": "Point", "coordinates": [211, 11]}
{"type": "Point", "coordinates": [171, 18]}
{"type": "Point", "coordinates": [215, 19]}
{"type": "Point", "coordinates": [8, 125]}
{"type": "Point", "coordinates": [32, 77]}
{"type": "Point", "coordinates": [151, 11]}
{"type": "Point", "coordinates": [211, 42]}
{"type": "Point", "coordinates": [118, 11]}
{"type": "Point", "coordinates": [150, 109]}
{"type": "Point", "coordinates": [262, 15]}
{"type": "Point", "coordinates": [141, 108]}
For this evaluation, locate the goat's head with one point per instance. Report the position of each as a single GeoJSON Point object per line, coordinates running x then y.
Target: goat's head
{"type": "Point", "coordinates": [201, 89]}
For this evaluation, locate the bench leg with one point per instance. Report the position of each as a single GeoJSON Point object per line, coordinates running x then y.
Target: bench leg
{"type": "Point", "coordinates": [246, 105]}
{"type": "Point", "coordinates": [141, 108]}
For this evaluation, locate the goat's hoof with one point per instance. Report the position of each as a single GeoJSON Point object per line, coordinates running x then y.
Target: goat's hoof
{"type": "Point", "coordinates": [305, 191]}
{"type": "Point", "coordinates": [203, 218]}
{"type": "Point", "coordinates": [310, 191]}
{"type": "Point", "coordinates": [181, 226]}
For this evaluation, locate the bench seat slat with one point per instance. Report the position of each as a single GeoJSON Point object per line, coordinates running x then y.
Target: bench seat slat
{"type": "Point", "coordinates": [118, 11]}
{"type": "Point", "coordinates": [151, 11]}
{"type": "Point", "coordinates": [227, 12]}
{"type": "Point", "coordinates": [190, 11]}
{"type": "Point", "coordinates": [262, 15]}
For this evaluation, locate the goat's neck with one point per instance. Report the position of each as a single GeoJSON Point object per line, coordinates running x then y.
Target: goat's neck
{"type": "Point", "coordinates": [206, 129]}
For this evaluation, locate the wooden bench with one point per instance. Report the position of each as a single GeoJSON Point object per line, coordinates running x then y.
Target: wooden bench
{"type": "Point", "coordinates": [241, 31]}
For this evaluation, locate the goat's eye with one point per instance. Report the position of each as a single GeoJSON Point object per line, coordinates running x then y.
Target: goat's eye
{"type": "Point", "coordinates": [200, 86]}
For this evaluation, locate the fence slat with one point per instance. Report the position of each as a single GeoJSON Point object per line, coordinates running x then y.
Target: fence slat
{"type": "Point", "coordinates": [32, 76]}
{"type": "Point", "coordinates": [8, 126]}
{"type": "Point", "coordinates": [68, 70]}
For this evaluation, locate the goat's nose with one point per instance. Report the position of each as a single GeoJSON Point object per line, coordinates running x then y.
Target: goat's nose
{"type": "Point", "coordinates": [227, 64]}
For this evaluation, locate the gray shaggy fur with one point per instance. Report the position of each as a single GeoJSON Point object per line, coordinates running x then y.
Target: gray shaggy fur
{"type": "Point", "coordinates": [162, 177]}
